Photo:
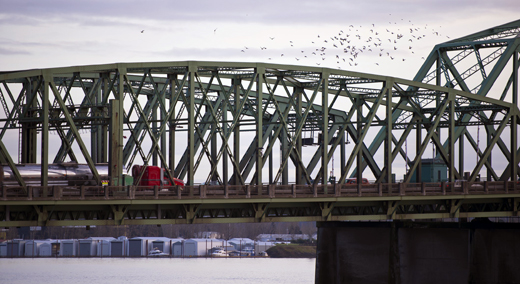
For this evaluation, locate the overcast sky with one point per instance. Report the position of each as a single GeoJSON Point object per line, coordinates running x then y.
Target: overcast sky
{"type": "Point", "coordinates": [56, 33]}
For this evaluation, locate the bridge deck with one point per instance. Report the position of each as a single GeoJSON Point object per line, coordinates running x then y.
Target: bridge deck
{"type": "Point", "coordinates": [94, 205]}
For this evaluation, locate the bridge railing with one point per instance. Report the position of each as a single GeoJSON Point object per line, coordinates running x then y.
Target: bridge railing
{"type": "Point", "coordinates": [253, 191]}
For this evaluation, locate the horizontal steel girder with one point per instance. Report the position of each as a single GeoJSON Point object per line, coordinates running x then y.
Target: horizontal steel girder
{"type": "Point", "coordinates": [237, 204]}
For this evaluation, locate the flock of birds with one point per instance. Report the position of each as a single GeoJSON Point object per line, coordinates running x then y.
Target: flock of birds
{"type": "Point", "coordinates": [350, 47]}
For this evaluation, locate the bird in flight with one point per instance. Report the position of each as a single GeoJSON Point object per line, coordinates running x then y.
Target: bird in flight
{"type": "Point", "coordinates": [215, 31]}
{"type": "Point", "coordinates": [142, 31]}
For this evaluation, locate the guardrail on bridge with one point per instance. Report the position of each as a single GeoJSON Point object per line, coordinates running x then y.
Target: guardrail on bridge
{"type": "Point", "coordinates": [60, 192]}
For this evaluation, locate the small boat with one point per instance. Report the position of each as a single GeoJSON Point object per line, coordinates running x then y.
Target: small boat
{"type": "Point", "coordinates": [263, 253]}
{"type": "Point", "coordinates": [219, 252]}
{"type": "Point", "coordinates": [156, 252]}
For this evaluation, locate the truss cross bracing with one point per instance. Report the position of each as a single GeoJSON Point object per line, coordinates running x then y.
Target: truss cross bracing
{"type": "Point", "coordinates": [254, 123]}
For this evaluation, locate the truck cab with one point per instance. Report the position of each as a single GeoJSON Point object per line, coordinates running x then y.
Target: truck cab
{"type": "Point", "coordinates": [153, 176]}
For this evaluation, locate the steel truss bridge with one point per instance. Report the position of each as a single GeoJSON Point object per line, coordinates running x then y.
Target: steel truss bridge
{"type": "Point", "coordinates": [257, 124]}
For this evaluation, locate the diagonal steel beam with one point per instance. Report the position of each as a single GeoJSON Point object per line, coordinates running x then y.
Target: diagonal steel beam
{"type": "Point", "coordinates": [74, 130]}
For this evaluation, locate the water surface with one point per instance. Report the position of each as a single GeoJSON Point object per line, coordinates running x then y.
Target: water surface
{"type": "Point", "coordinates": [156, 270]}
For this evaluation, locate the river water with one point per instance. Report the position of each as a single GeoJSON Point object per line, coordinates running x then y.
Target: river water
{"type": "Point", "coordinates": [156, 270]}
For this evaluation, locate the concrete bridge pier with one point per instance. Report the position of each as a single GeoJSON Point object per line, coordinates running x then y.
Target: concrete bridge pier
{"type": "Point", "coordinates": [412, 252]}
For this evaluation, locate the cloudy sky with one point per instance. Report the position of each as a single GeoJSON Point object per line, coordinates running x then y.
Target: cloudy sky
{"type": "Point", "coordinates": [56, 33]}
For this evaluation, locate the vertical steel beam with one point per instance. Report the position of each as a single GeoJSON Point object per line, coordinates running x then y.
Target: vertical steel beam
{"type": "Point", "coordinates": [155, 159]}
{"type": "Point", "coordinates": [359, 126]}
{"type": "Point", "coordinates": [461, 153]}
{"type": "Point", "coordinates": [437, 98]}
{"type": "Point", "coordinates": [121, 111]}
{"type": "Point", "coordinates": [451, 137]}
{"type": "Point", "coordinates": [284, 154]}
{"type": "Point", "coordinates": [298, 109]}
{"type": "Point", "coordinates": [236, 131]}
{"type": "Point", "coordinates": [213, 146]}
{"type": "Point", "coordinates": [104, 128]}
{"type": "Point", "coordinates": [514, 121]}
{"type": "Point", "coordinates": [116, 131]}
{"type": "Point", "coordinates": [388, 85]}
{"type": "Point", "coordinates": [162, 117]}
{"type": "Point", "coordinates": [47, 77]}
{"type": "Point", "coordinates": [271, 174]}
{"type": "Point", "coordinates": [514, 145]}
{"type": "Point", "coordinates": [192, 69]}
{"type": "Point", "coordinates": [342, 157]}
{"type": "Point", "coordinates": [515, 78]}
{"type": "Point", "coordinates": [99, 132]}
{"type": "Point", "coordinates": [325, 128]}
{"type": "Point", "coordinates": [172, 82]}
{"type": "Point", "coordinates": [260, 71]}
{"type": "Point", "coordinates": [225, 132]}
{"type": "Point", "coordinates": [489, 172]}
{"type": "Point", "coordinates": [114, 142]}
{"type": "Point", "coordinates": [29, 130]}
{"type": "Point", "coordinates": [95, 130]}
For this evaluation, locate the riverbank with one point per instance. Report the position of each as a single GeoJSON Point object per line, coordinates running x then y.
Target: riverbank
{"type": "Point", "coordinates": [292, 251]}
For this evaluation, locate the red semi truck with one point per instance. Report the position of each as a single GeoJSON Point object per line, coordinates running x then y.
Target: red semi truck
{"type": "Point", "coordinates": [73, 174]}
{"type": "Point", "coordinates": [154, 175]}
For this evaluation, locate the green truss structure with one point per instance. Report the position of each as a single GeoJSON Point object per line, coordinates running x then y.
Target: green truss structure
{"type": "Point", "coordinates": [230, 123]}
{"type": "Point", "coordinates": [486, 65]}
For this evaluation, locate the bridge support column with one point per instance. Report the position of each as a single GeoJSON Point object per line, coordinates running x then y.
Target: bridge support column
{"type": "Point", "coordinates": [397, 252]}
